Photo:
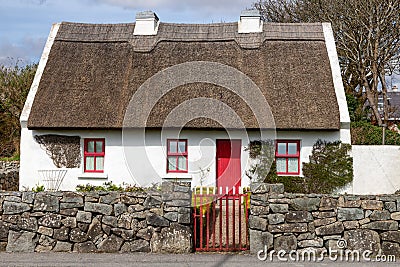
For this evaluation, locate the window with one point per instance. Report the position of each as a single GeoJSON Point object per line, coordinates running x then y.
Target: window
{"type": "Point", "coordinates": [287, 157]}
{"type": "Point", "coordinates": [94, 155]}
{"type": "Point", "coordinates": [177, 155]}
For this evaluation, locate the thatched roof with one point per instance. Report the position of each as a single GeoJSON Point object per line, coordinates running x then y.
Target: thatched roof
{"type": "Point", "coordinates": [93, 71]}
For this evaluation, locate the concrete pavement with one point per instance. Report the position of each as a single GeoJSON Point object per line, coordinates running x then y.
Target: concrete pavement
{"type": "Point", "coordinates": [162, 260]}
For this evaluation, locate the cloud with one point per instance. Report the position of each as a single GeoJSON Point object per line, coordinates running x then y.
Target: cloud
{"type": "Point", "coordinates": [25, 52]}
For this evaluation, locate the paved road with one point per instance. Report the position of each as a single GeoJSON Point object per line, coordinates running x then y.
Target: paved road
{"type": "Point", "coordinates": [162, 260]}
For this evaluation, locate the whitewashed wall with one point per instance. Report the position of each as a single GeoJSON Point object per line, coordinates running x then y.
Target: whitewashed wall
{"type": "Point", "coordinates": [376, 170]}
{"type": "Point", "coordinates": [129, 160]}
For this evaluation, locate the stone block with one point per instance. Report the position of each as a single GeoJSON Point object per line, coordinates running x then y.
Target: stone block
{"type": "Point", "coordinates": [324, 214]}
{"type": "Point", "coordinates": [392, 236]}
{"type": "Point", "coordinates": [171, 216]}
{"type": "Point", "coordinates": [62, 247]}
{"type": "Point", "coordinates": [380, 215]}
{"type": "Point", "coordinates": [21, 241]}
{"type": "Point", "coordinates": [392, 249]}
{"type": "Point", "coordinates": [173, 239]}
{"type": "Point", "coordinates": [77, 235]}
{"type": "Point", "coordinates": [111, 244]}
{"type": "Point", "coordinates": [46, 202]}
{"type": "Point", "coordinates": [330, 229]}
{"type": "Point", "coordinates": [28, 224]}
{"type": "Point", "coordinates": [306, 203]}
{"type": "Point", "coordinates": [84, 216]}
{"type": "Point", "coordinates": [145, 233]}
{"type": "Point", "coordinates": [382, 225]}
{"type": "Point", "coordinates": [317, 242]}
{"type": "Point", "coordinates": [69, 222]}
{"type": "Point", "coordinates": [298, 216]}
{"type": "Point", "coordinates": [351, 225]}
{"type": "Point", "coordinates": [85, 247]}
{"type": "Point", "coordinates": [72, 197]}
{"type": "Point", "coordinates": [50, 220]}
{"type": "Point", "coordinates": [110, 220]}
{"type": "Point", "coordinates": [328, 203]}
{"type": "Point", "coordinates": [279, 208]}
{"type": "Point", "coordinates": [69, 212]}
{"type": "Point", "coordinates": [104, 209]}
{"type": "Point", "coordinates": [276, 218]}
{"type": "Point", "coordinates": [156, 220]}
{"type": "Point", "coordinates": [119, 209]}
{"type": "Point", "coordinates": [110, 198]}
{"type": "Point", "coordinates": [61, 234]}
{"type": "Point", "coordinates": [390, 206]}
{"type": "Point", "coordinates": [259, 188]}
{"type": "Point", "coordinates": [285, 242]}
{"type": "Point", "coordinates": [395, 216]}
{"type": "Point", "coordinates": [257, 223]}
{"type": "Point", "coordinates": [371, 204]}
{"type": "Point", "coordinates": [15, 207]}
{"type": "Point", "coordinates": [136, 246]}
{"type": "Point", "coordinates": [362, 239]}
{"type": "Point", "coordinates": [45, 231]}
{"type": "Point", "coordinates": [288, 228]}
{"type": "Point", "coordinates": [350, 214]}
{"type": "Point", "coordinates": [259, 240]}
{"type": "Point", "coordinates": [325, 221]}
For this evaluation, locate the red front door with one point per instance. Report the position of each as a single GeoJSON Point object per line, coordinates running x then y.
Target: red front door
{"type": "Point", "coordinates": [228, 164]}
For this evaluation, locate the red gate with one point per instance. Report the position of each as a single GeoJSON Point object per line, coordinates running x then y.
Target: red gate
{"type": "Point", "coordinates": [220, 220]}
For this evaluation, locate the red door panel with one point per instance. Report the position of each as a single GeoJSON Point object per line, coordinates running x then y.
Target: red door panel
{"type": "Point", "coordinates": [228, 164]}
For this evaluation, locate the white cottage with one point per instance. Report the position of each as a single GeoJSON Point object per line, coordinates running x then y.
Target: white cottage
{"type": "Point", "coordinates": [143, 102]}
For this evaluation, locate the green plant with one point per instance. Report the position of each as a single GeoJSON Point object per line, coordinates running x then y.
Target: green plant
{"type": "Point", "coordinates": [108, 186]}
{"type": "Point", "coordinates": [38, 188]}
{"type": "Point", "coordinates": [364, 133]}
{"type": "Point", "coordinates": [262, 152]}
{"type": "Point", "coordinates": [330, 167]}
{"type": "Point", "coordinates": [13, 158]}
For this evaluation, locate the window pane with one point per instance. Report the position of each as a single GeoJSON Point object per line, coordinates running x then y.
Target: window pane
{"type": "Point", "coordinates": [292, 148]}
{"type": "Point", "coordinates": [171, 163]}
{"type": "Point", "coordinates": [182, 146]}
{"type": "Point", "coordinates": [173, 147]}
{"type": "Point", "coordinates": [281, 165]}
{"type": "Point", "coordinates": [90, 146]}
{"type": "Point", "coordinates": [99, 163]}
{"type": "Point", "coordinates": [89, 164]}
{"type": "Point", "coordinates": [293, 165]}
{"type": "Point", "coordinates": [99, 146]}
{"type": "Point", "coordinates": [282, 148]}
{"type": "Point", "coordinates": [182, 164]}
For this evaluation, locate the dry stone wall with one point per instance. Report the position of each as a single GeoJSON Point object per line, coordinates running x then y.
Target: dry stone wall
{"type": "Point", "coordinates": [296, 222]}
{"type": "Point", "coordinates": [153, 221]}
{"type": "Point", "coordinates": [9, 175]}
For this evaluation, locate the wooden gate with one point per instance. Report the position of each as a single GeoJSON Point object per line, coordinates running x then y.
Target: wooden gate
{"type": "Point", "coordinates": [220, 219]}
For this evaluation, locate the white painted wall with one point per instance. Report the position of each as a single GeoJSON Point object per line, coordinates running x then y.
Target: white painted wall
{"type": "Point", "coordinates": [146, 161]}
{"type": "Point", "coordinates": [376, 170]}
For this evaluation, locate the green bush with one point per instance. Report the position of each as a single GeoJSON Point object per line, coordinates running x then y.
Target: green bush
{"type": "Point", "coordinates": [108, 186]}
{"type": "Point", "coordinates": [330, 167]}
{"type": "Point", "coordinates": [364, 133]}
{"type": "Point", "coordinates": [38, 188]}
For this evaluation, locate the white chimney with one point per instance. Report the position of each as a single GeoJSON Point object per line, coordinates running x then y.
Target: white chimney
{"type": "Point", "coordinates": [394, 88]}
{"type": "Point", "coordinates": [146, 23]}
{"type": "Point", "coordinates": [250, 21]}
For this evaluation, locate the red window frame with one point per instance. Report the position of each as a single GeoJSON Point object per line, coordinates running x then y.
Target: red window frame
{"type": "Point", "coordinates": [93, 154]}
{"type": "Point", "coordinates": [287, 156]}
{"type": "Point", "coordinates": [177, 155]}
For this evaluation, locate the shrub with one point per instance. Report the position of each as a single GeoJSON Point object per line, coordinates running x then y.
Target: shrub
{"type": "Point", "coordinates": [108, 186]}
{"type": "Point", "coordinates": [330, 167]}
{"type": "Point", "coordinates": [364, 133]}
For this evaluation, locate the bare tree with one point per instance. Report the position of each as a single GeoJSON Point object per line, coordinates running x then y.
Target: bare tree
{"type": "Point", "coordinates": [367, 34]}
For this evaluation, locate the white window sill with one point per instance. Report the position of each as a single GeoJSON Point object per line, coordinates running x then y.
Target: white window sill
{"type": "Point", "coordinates": [93, 175]}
